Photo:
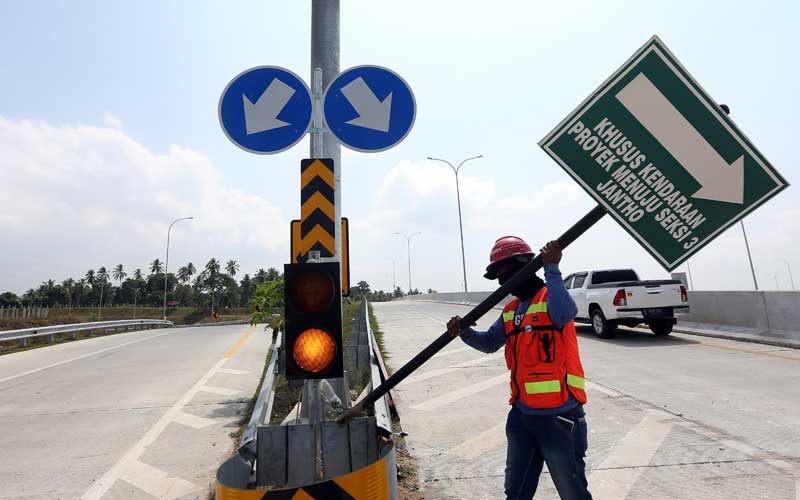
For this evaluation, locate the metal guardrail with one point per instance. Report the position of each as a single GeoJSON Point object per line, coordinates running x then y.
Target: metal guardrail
{"type": "Point", "coordinates": [28, 333]}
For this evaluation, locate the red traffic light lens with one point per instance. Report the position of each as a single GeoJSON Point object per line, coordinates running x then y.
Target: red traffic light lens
{"type": "Point", "coordinates": [314, 350]}
{"type": "Point", "coordinates": [311, 291]}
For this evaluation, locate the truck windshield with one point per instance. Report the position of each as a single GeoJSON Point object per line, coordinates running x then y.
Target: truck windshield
{"type": "Point", "coordinates": [601, 277]}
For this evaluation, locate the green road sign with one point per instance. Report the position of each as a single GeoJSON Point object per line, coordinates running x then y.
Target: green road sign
{"type": "Point", "coordinates": [659, 154]}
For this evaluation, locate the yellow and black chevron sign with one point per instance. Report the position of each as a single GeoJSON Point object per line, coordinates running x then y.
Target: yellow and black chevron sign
{"type": "Point", "coordinates": [317, 214]}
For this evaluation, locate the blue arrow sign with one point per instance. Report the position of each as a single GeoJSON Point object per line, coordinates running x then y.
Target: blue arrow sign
{"type": "Point", "coordinates": [369, 108]}
{"type": "Point", "coordinates": [265, 110]}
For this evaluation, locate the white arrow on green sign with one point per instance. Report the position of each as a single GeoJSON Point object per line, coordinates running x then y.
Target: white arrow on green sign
{"type": "Point", "coordinates": [653, 148]}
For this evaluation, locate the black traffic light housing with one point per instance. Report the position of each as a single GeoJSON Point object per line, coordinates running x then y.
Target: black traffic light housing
{"type": "Point", "coordinates": [313, 314]}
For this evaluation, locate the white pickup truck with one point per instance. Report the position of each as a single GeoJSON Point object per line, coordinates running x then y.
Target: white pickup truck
{"type": "Point", "coordinates": [612, 297]}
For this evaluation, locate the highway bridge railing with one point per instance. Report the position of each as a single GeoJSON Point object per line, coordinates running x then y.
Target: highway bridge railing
{"type": "Point", "coordinates": [25, 334]}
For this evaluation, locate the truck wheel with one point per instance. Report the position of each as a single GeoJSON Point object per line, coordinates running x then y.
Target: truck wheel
{"type": "Point", "coordinates": [660, 327]}
{"type": "Point", "coordinates": [602, 328]}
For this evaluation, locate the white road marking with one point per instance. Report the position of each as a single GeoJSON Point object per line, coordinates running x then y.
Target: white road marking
{"type": "Point", "coordinates": [633, 452]}
{"type": "Point", "coordinates": [156, 482]}
{"type": "Point", "coordinates": [429, 317]}
{"type": "Point", "coordinates": [483, 442]}
{"type": "Point", "coordinates": [441, 371]}
{"type": "Point", "coordinates": [194, 421]}
{"type": "Point", "coordinates": [222, 391]}
{"type": "Point", "coordinates": [439, 354]}
{"type": "Point", "coordinates": [603, 389]}
{"type": "Point", "coordinates": [36, 370]}
{"type": "Point", "coordinates": [435, 403]}
{"type": "Point", "coordinates": [231, 371]}
{"type": "Point", "coordinates": [126, 463]}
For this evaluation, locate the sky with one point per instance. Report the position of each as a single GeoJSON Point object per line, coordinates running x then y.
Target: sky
{"type": "Point", "coordinates": [109, 131]}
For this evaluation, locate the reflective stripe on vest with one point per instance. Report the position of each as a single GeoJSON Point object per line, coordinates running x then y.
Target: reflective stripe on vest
{"type": "Point", "coordinates": [540, 307]}
{"type": "Point", "coordinates": [576, 381]}
{"type": "Point", "coordinates": [543, 387]}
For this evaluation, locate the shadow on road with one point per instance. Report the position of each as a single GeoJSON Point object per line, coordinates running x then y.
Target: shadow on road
{"type": "Point", "coordinates": [626, 337]}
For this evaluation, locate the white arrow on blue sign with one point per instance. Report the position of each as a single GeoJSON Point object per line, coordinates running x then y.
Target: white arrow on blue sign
{"type": "Point", "coordinates": [265, 110]}
{"type": "Point", "coordinates": [369, 108]}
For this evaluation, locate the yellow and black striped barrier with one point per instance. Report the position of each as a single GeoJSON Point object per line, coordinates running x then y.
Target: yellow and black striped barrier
{"type": "Point", "coordinates": [373, 482]}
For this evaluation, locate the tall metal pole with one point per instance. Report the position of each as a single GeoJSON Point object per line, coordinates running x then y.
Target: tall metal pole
{"type": "Point", "coordinates": [408, 241]}
{"type": "Point", "coordinates": [325, 56]}
{"type": "Point", "coordinates": [747, 245]}
{"type": "Point", "coordinates": [791, 278]}
{"type": "Point", "coordinates": [458, 197]}
{"type": "Point", "coordinates": [776, 280]}
{"type": "Point", "coordinates": [324, 68]}
{"type": "Point", "coordinates": [166, 265]}
{"type": "Point", "coordinates": [691, 281]}
{"type": "Point", "coordinates": [394, 280]}
{"type": "Point", "coordinates": [727, 110]}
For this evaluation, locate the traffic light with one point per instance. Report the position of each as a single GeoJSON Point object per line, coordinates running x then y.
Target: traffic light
{"type": "Point", "coordinates": [313, 307]}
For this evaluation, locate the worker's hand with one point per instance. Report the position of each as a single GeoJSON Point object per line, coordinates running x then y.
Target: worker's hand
{"type": "Point", "coordinates": [454, 326]}
{"type": "Point", "coordinates": [551, 252]}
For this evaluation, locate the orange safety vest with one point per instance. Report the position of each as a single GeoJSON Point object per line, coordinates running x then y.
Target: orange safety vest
{"type": "Point", "coordinates": [544, 362]}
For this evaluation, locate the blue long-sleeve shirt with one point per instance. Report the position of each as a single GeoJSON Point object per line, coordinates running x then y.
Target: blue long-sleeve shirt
{"type": "Point", "coordinates": [561, 308]}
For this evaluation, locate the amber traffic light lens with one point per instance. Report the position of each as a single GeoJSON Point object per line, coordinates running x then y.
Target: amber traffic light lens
{"type": "Point", "coordinates": [312, 291]}
{"type": "Point", "coordinates": [314, 350]}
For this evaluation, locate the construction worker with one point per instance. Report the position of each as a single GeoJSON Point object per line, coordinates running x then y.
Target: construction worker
{"type": "Point", "coordinates": [546, 422]}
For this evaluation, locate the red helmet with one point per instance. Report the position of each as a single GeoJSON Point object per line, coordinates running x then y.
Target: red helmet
{"type": "Point", "coordinates": [505, 248]}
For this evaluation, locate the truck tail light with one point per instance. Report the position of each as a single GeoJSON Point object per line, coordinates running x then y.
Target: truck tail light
{"type": "Point", "coordinates": [619, 298]}
{"type": "Point", "coordinates": [684, 295]}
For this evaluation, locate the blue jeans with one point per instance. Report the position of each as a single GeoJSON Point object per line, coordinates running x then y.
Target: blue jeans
{"type": "Point", "coordinates": [536, 439]}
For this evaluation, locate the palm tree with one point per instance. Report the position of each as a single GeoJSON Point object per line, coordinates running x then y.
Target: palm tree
{"type": "Point", "coordinates": [119, 273]}
{"type": "Point", "coordinates": [156, 267]}
{"type": "Point", "coordinates": [69, 286]}
{"type": "Point", "coordinates": [102, 276]}
{"type": "Point", "coordinates": [81, 286]}
{"type": "Point", "coordinates": [212, 266]}
{"type": "Point", "coordinates": [231, 267]}
{"type": "Point", "coordinates": [183, 274]}
{"type": "Point", "coordinates": [261, 276]}
{"type": "Point", "coordinates": [137, 275]}
{"type": "Point", "coordinates": [273, 274]}
{"type": "Point", "coordinates": [90, 276]}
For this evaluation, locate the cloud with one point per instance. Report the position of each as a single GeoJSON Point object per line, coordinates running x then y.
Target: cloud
{"type": "Point", "coordinates": [421, 196]}
{"type": "Point", "coordinates": [112, 121]}
{"type": "Point", "coordinates": [77, 197]}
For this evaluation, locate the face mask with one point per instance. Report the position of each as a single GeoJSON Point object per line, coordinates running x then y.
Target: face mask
{"type": "Point", "coordinates": [527, 288]}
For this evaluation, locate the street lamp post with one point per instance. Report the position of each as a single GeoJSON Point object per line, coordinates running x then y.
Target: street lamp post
{"type": "Point", "coordinates": [408, 241]}
{"type": "Point", "coordinates": [166, 263]}
{"type": "Point", "coordinates": [777, 285]}
{"type": "Point", "coordinates": [394, 280]}
{"type": "Point", "coordinates": [458, 198]}
{"type": "Point", "coordinates": [791, 278]}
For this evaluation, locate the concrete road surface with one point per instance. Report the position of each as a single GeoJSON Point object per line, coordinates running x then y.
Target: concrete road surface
{"type": "Point", "coordinates": [676, 417]}
{"type": "Point", "coordinates": [140, 415]}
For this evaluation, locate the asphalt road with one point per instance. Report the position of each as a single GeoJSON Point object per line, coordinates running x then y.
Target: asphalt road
{"type": "Point", "coordinates": [139, 415]}
{"type": "Point", "coordinates": [678, 417]}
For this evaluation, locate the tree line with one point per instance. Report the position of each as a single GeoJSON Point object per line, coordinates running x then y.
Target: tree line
{"type": "Point", "coordinates": [212, 287]}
